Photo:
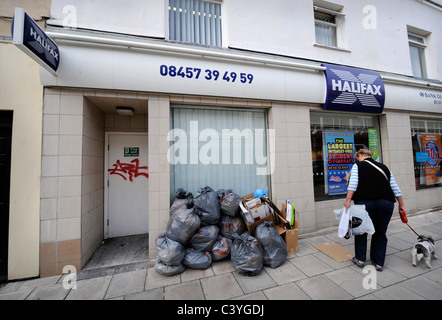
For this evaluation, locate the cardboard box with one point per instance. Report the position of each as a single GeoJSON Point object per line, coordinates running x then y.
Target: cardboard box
{"type": "Point", "coordinates": [247, 214]}
{"type": "Point", "coordinates": [252, 227]}
{"type": "Point", "coordinates": [259, 212]}
{"type": "Point", "coordinates": [291, 239]}
{"type": "Point", "coordinates": [288, 234]}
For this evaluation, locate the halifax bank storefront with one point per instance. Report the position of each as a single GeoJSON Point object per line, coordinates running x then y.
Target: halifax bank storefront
{"type": "Point", "coordinates": [178, 110]}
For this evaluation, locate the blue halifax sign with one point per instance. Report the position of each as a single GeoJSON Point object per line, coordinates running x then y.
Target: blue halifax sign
{"type": "Point", "coordinates": [350, 89]}
{"type": "Point", "coordinates": [33, 41]}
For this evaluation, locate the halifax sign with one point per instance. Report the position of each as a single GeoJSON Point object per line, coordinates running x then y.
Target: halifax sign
{"type": "Point", "coordinates": [355, 90]}
{"type": "Point", "coordinates": [33, 41]}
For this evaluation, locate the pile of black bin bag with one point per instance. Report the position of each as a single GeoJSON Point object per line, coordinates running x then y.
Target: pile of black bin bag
{"type": "Point", "coordinates": [208, 227]}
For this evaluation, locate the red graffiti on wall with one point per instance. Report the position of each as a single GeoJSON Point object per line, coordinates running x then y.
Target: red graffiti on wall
{"type": "Point", "coordinates": [132, 169]}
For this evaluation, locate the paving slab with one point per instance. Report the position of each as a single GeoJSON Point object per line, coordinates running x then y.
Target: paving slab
{"type": "Point", "coordinates": [367, 297]}
{"type": "Point", "coordinates": [90, 289]}
{"type": "Point", "coordinates": [304, 248]}
{"type": "Point", "coordinates": [424, 287]}
{"type": "Point", "coordinates": [358, 284]}
{"type": "Point", "coordinates": [332, 262]}
{"type": "Point", "coordinates": [396, 292]}
{"type": "Point", "coordinates": [252, 296]}
{"type": "Point", "coordinates": [190, 290]}
{"type": "Point", "coordinates": [434, 275]}
{"type": "Point", "coordinates": [388, 277]}
{"type": "Point", "coordinates": [15, 295]}
{"type": "Point", "coordinates": [396, 226]}
{"type": "Point", "coordinates": [154, 294]}
{"type": "Point", "coordinates": [435, 230]}
{"type": "Point", "coordinates": [289, 291]}
{"type": "Point", "coordinates": [310, 265]}
{"type": "Point", "coordinates": [156, 280]}
{"type": "Point", "coordinates": [223, 266]}
{"type": "Point", "coordinates": [397, 243]}
{"type": "Point", "coordinates": [126, 283]}
{"type": "Point", "coordinates": [255, 283]}
{"type": "Point", "coordinates": [285, 273]}
{"type": "Point", "coordinates": [221, 287]}
{"type": "Point", "coordinates": [48, 292]}
{"type": "Point", "coordinates": [407, 236]}
{"type": "Point", "coordinates": [402, 267]}
{"type": "Point", "coordinates": [192, 274]}
{"type": "Point", "coordinates": [322, 288]}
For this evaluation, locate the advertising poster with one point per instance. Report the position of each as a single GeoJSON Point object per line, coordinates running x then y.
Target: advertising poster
{"type": "Point", "coordinates": [339, 159]}
{"type": "Point", "coordinates": [432, 146]}
{"type": "Point", "coordinates": [373, 143]}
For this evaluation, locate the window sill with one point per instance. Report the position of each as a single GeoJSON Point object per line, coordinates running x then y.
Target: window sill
{"type": "Point", "coordinates": [330, 47]}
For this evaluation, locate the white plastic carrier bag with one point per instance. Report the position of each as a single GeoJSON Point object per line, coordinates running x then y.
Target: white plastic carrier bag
{"type": "Point", "coordinates": [353, 221]}
{"type": "Point", "coordinates": [360, 220]}
{"type": "Point", "coordinates": [343, 217]}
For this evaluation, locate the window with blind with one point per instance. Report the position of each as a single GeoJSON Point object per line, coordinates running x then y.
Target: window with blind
{"type": "Point", "coordinates": [196, 22]}
{"type": "Point", "coordinates": [417, 55]}
{"type": "Point", "coordinates": [224, 148]}
{"type": "Point", "coordinates": [329, 24]}
{"type": "Point", "coordinates": [325, 28]}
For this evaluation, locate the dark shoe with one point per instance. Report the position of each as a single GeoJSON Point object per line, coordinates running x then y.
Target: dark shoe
{"type": "Point", "coordinates": [378, 268]}
{"type": "Point", "coordinates": [356, 262]}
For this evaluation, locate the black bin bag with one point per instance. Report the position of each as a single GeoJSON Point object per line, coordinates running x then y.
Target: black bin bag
{"type": "Point", "coordinates": [229, 225]}
{"type": "Point", "coordinates": [168, 251]}
{"type": "Point", "coordinates": [246, 254]}
{"type": "Point", "coordinates": [204, 238]}
{"type": "Point", "coordinates": [229, 202]}
{"type": "Point", "coordinates": [274, 247]}
{"type": "Point", "coordinates": [195, 259]}
{"type": "Point", "coordinates": [182, 199]}
{"type": "Point", "coordinates": [182, 225]}
{"type": "Point", "coordinates": [221, 248]}
{"type": "Point", "coordinates": [207, 206]}
{"type": "Point", "coordinates": [168, 270]}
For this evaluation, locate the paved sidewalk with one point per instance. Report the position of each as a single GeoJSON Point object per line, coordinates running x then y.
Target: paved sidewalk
{"type": "Point", "coordinates": [306, 275]}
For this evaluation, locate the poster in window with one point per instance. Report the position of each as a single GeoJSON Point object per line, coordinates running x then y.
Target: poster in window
{"type": "Point", "coordinates": [339, 151]}
{"type": "Point", "coordinates": [373, 143]}
{"type": "Point", "coordinates": [432, 146]}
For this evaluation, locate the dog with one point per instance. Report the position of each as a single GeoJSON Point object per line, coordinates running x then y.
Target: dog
{"type": "Point", "coordinates": [423, 248]}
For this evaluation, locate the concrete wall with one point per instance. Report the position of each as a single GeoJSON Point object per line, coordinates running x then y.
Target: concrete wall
{"type": "Point", "coordinates": [21, 92]}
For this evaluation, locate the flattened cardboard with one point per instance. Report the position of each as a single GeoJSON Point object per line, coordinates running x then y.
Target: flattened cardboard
{"type": "Point", "coordinates": [335, 251]}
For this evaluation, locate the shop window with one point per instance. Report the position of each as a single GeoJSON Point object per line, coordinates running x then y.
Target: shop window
{"type": "Point", "coordinates": [196, 22]}
{"type": "Point", "coordinates": [224, 148]}
{"type": "Point", "coordinates": [335, 137]}
{"type": "Point", "coordinates": [426, 140]}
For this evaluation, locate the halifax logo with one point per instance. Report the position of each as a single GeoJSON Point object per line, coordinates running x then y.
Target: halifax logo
{"type": "Point", "coordinates": [350, 89]}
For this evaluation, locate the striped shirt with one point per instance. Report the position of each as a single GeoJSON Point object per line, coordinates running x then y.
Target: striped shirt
{"type": "Point", "coordinates": [354, 181]}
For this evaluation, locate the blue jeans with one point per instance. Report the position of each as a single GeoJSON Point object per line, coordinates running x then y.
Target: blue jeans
{"type": "Point", "coordinates": [380, 212]}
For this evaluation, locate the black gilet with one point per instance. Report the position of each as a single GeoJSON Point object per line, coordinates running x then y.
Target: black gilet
{"type": "Point", "coordinates": [372, 184]}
